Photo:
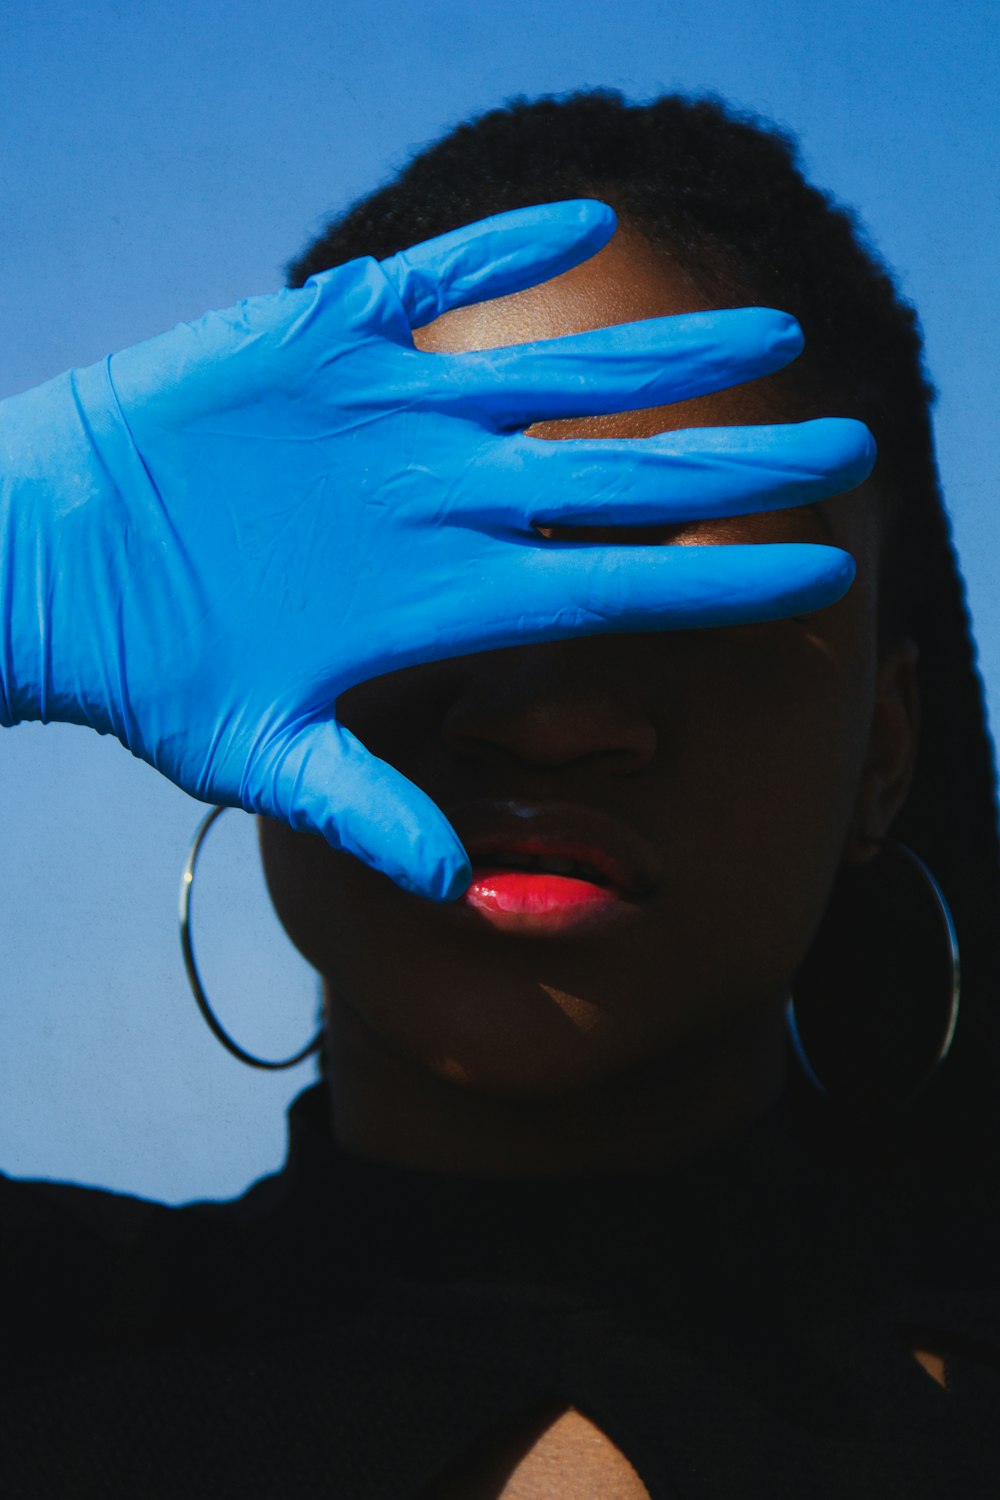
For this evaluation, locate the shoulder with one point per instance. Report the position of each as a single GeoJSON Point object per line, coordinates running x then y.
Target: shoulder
{"type": "Point", "coordinates": [30, 1207]}
{"type": "Point", "coordinates": [33, 1207]}
{"type": "Point", "coordinates": [84, 1268]}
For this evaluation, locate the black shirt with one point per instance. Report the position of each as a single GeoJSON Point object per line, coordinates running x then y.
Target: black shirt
{"type": "Point", "coordinates": [738, 1328]}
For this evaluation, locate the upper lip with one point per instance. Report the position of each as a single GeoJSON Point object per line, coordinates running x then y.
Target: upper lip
{"type": "Point", "coordinates": [493, 828]}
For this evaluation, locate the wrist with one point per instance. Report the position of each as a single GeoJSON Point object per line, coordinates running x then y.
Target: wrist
{"type": "Point", "coordinates": [54, 483]}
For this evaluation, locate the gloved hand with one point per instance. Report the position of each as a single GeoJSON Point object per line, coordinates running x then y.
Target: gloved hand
{"type": "Point", "coordinates": [207, 538]}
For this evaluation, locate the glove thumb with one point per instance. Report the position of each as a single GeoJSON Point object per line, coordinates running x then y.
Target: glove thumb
{"type": "Point", "coordinates": [325, 781]}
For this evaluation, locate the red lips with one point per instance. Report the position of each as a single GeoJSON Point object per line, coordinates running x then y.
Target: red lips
{"type": "Point", "coordinates": [516, 890]}
{"type": "Point", "coordinates": [550, 868]}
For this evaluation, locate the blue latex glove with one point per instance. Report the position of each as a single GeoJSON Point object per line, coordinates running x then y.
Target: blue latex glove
{"type": "Point", "coordinates": [207, 538]}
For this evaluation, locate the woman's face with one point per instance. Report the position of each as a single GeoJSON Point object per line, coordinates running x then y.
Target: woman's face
{"type": "Point", "coordinates": [737, 768]}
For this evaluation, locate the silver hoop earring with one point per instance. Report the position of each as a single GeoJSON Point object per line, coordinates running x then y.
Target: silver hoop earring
{"type": "Point", "coordinates": [184, 915]}
{"type": "Point", "coordinates": [953, 971]}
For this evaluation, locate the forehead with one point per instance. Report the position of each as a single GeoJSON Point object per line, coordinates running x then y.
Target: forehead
{"type": "Point", "coordinates": [628, 280]}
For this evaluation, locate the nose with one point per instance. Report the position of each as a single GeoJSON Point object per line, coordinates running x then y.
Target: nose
{"type": "Point", "coordinates": [553, 705]}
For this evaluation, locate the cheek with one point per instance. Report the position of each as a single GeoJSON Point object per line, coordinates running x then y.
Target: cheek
{"type": "Point", "coordinates": [300, 870]}
{"type": "Point", "coordinates": [771, 761]}
{"type": "Point", "coordinates": [782, 730]}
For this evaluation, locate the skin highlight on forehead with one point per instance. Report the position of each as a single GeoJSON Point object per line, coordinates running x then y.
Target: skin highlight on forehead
{"type": "Point", "coordinates": [630, 280]}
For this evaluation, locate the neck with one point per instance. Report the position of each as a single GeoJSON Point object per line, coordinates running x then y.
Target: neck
{"type": "Point", "coordinates": [651, 1120]}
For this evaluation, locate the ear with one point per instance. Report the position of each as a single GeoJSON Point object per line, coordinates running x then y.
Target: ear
{"type": "Point", "coordinates": [892, 750]}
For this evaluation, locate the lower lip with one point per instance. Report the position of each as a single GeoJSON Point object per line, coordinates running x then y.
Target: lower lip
{"type": "Point", "coordinates": [517, 901]}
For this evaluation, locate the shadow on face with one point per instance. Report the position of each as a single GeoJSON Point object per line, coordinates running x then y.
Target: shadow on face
{"type": "Point", "coordinates": [748, 762]}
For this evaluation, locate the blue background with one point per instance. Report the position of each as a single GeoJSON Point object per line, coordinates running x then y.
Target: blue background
{"type": "Point", "coordinates": [163, 158]}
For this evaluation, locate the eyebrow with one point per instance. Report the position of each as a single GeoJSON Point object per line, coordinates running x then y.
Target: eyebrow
{"type": "Point", "coordinates": [812, 513]}
{"type": "Point", "coordinates": [668, 531]}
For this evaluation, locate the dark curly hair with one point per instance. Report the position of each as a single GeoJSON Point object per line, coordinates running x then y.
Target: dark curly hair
{"type": "Point", "coordinates": [722, 194]}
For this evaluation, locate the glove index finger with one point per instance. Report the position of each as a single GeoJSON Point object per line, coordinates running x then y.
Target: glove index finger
{"type": "Point", "coordinates": [496, 256]}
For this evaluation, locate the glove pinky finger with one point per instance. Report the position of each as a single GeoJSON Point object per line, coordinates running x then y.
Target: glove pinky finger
{"type": "Point", "coordinates": [496, 256]}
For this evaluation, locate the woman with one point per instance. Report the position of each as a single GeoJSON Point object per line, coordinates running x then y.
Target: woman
{"type": "Point", "coordinates": [570, 1215]}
